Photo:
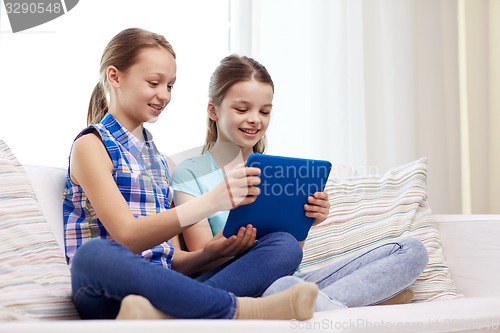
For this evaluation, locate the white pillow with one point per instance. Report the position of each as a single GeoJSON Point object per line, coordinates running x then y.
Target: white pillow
{"type": "Point", "coordinates": [367, 211]}
{"type": "Point", "coordinates": [34, 277]}
{"type": "Point", "coordinates": [49, 184]}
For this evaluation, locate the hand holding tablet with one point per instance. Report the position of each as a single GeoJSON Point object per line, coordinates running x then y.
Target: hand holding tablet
{"type": "Point", "coordinates": [286, 183]}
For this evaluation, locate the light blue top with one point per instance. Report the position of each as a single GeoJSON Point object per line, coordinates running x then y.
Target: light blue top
{"type": "Point", "coordinates": [196, 176]}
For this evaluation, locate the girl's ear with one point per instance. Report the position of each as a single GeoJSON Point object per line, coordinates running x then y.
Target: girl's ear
{"type": "Point", "coordinates": [212, 114]}
{"type": "Point", "coordinates": [113, 76]}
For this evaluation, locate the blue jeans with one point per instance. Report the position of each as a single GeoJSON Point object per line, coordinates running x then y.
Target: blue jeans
{"type": "Point", "coordinates": [104, 272]}
{"type": "Point", "coordinates": [363, 279]}
{"type": "Point", "coordinates": [273, 256]}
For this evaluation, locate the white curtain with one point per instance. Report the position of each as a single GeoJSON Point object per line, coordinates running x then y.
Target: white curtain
{"type": "Point", "coordinates": [378, 83]}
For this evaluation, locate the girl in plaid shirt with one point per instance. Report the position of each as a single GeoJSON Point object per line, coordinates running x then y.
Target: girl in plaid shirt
{"type": "Point", "coordinates": [119, 216]}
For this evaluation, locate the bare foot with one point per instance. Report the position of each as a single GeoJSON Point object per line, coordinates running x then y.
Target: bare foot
{"type": "Point", "coordinates": [403, 297]}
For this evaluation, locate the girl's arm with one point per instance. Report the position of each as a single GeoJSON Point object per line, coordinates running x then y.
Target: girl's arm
{"type": "Point", "coordinates": [203, 250]}
{"type": "Point", "coordinates": [216, 252]}
{"type": "Point", "coordinates": [91, 168]}
{"type": "Point", "coordinates": [191, 262]}
{"type": "Point", "coordinates": [198, 235]}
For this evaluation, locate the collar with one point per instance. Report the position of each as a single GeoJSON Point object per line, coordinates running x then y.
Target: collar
{"type": "Point", "coordinates": [126, 138]}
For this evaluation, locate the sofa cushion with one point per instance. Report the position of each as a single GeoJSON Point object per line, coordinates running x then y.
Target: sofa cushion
{"type": "Point", "coordinates": [367, 211]}
{"type": "Point", "coordinates": [471, 247]}
{"type": "Point", "coordinates": [34, 277]}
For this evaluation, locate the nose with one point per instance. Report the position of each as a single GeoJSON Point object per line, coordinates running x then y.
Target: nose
{"type": "Point", "coordinates": [164, 95]}
{"type": "Point", "coordinates": [253, 117]}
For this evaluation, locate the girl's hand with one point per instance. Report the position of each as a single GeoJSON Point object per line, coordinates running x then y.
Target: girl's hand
{"type": "Point", "coordinates": [317, 207]}
{"type": "Point", "coordinates": [238, 188]}
{"type": "Point", "coordinates": [221, 247]}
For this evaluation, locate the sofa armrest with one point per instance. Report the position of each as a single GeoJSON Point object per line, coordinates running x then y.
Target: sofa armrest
{"type": "Point", "coordinates": [471, 249]}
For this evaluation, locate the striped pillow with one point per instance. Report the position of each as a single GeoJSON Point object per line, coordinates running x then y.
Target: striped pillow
{"type": "Point", "coordinates": [367, 211]}
{"type": "Point", "coordinates": [34, 277]}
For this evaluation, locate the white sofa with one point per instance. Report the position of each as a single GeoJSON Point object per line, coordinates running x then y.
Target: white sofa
{"type": "Point", "coordinates": [470, 245]}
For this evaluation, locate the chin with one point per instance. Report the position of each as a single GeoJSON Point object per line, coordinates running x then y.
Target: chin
{"type": "Point", "coordinates": [248, 146]}
{"type": "Point", "coordinates": [153, 120]}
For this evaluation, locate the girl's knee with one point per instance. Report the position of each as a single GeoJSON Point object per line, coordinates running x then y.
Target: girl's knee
{"type": "Point", "coordinates": [416, 249]}
{"type": "Point", "coordinates": [91, 251]}
{"type": "Point", "coordinates": [93, 246]}
{"type": "Point", "coordinates": [285, 244]}
{"type": "Point", "coordinates": [282, 283]}
{"type": "Point", "coordinates": [290, 244]}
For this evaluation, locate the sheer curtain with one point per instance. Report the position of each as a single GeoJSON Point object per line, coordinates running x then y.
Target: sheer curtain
{"type": "Point", "coordinates": [375, 84]}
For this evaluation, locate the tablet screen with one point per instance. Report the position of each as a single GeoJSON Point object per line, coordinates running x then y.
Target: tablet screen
{"type": "Point", "coordinates": [286, 182]}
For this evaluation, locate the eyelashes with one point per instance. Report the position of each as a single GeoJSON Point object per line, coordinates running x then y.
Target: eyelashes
{"type": "Point", "coordinates": [245, 110]}
{"type": "Point", "coordinates": [155, 84]}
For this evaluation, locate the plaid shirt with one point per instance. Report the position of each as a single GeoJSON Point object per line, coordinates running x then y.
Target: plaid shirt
{"type": "Point", "coordinates": [142, 176]}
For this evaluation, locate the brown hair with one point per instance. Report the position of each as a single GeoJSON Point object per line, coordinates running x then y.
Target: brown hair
{"type": "Point", "coordinates": [122, 52]}
{"type": "Point", "coordinates": [231, 70]}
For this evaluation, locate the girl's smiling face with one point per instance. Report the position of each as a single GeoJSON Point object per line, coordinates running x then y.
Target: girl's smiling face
{"type": "Point", "coordinates": [244, 113]}
{"type": "Point", "coordinates": [144, 90]}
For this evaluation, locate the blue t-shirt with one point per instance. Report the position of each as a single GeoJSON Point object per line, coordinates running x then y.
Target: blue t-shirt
{"type": "Point", "coordinates": [196, 176]}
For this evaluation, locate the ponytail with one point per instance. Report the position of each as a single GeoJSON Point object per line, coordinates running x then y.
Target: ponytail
{"type": "Point", "coordinates": [98, 106]}
{"type": "Point", "coordinates": [211, 135]}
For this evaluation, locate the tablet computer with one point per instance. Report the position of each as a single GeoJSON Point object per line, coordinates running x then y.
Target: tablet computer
{"type": "Point", "coordinates": [286, 182]}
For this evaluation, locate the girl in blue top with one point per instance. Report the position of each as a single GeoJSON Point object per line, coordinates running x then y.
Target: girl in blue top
{"type": "Point", "coordinates": [239, 111]}
{"type": "Point", "coordinates": [119, 217]}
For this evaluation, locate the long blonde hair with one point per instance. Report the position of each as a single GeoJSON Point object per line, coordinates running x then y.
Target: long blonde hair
{"type": "Point", "coordinates": [231, 70]}
{"type": "Point", "coordinates": [122, 52]}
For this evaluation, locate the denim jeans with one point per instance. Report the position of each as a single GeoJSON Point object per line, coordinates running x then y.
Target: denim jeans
{"type": "Point", "coordinates": [273, 256]}
{"type": "Point", "coordinates": [104, 272]}
{"type": "Point", "coordinates": [363, 279]}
